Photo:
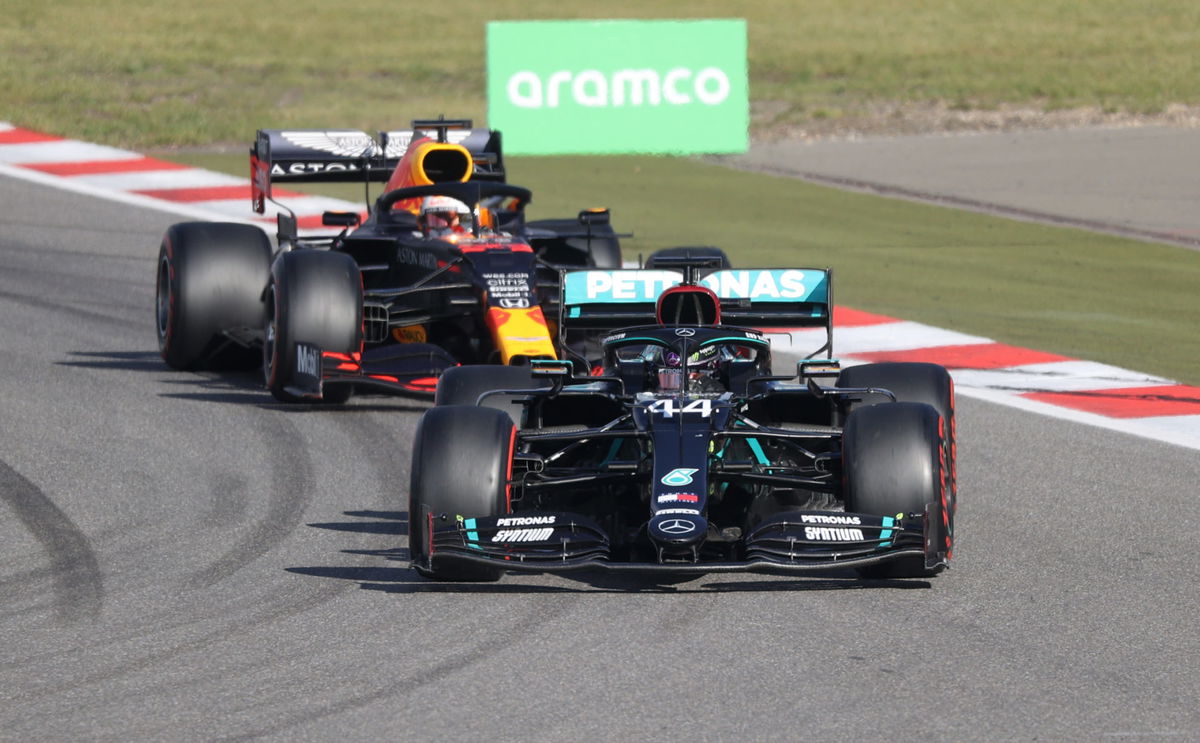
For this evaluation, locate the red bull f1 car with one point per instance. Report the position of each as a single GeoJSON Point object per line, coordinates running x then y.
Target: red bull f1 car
{"type": "Point", "coordinates": [678, 451]}
{"type": "Point", "coordinates": [443, 270]}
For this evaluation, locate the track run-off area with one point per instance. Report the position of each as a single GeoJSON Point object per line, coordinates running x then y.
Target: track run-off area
{"type": "Point", "coordinates": [184, 558]}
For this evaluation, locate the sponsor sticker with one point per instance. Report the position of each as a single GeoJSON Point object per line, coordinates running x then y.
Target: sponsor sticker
{"type": "Point", "coordinates": [679, 477]}
{"type": "Point", "coordinates": [677, 527]}
{"type": "Point", "coordinates": [308, 360]}
{"type": "Point", "coordinates": [507, 284]}
{"type": "Point", "coordinates": [679, 497]}
{"type": "Point", "coordinates": [525, 520]}
{"type": "Point", "coordinates": [523, 535]}
{"type": "Point", "coordinates": [817, 518]}
{"type": "Point", "coordinates": [410, 334]}
{"type": "Point", "coordinates": [609, 86]}
{"type": "Point", "coordinates": [832, 534]}
{"type": "Point", "coordinates": [639, 286]}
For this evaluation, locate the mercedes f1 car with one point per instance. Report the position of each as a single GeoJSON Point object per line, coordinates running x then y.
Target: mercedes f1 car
{"type": "Point", "coordinates": [444, 269]}
{"type": "Point", "coordinates": [678, 451]}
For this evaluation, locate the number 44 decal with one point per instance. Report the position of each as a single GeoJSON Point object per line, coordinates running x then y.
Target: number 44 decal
{"type": "Point", "coordinates": [669, 407]}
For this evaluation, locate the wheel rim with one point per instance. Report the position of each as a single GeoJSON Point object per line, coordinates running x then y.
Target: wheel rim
{"type": "Point", "coordinates": [163, 297]}
{"type": "Point", "coordinates": [269, 338]}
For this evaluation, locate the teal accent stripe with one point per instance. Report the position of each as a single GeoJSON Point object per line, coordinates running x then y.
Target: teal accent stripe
{"type": "Point", "coordinates": [759, 454]}
{"type": "Point", "coordinates": [887, 533]}
{"type": "Point", "coordinates": [620, 341]}
{"type": "Point", "coordinates": [472, 536]}
{"type": "Point", "coordinates": [740, 339]}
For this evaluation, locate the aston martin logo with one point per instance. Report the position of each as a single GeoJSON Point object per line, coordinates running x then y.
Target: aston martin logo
{"type": "Point", "coordinates": [398, 141]}
{"type": "Point", "coordinates": [340, 143]}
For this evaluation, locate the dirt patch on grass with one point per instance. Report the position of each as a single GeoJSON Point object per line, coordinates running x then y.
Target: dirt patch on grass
{"type": "Point", "coordinates": [934, 118]}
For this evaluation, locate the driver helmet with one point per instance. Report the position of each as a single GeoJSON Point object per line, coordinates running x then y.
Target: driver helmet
{"type": "Point", "coordinates": [706, 359]}
{"type": "Point", "coordinates": [670, 374]}
{"type": "Point", "coordinates": [443, 215]}
{"type": "Point", "coordinates": [704, 369]}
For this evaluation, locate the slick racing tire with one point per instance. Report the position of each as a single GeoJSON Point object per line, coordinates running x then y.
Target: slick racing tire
{"type": "Point", "coordinates": [462, 459]}
{"type": "Point", "coordinates": [462, 385]}
{"type": "Point", "coordinates": [700, 251]}
{"type": "Point", "coordinates": [315, 297]}
{"type": "Point", "coordinates": [914, 382]}
{"type": "Point", "coordinates": [602, 251]}
{"type": "Point", "coordinates": [211, 277]}
{"type": "Point", "coordinates": [892, 462]}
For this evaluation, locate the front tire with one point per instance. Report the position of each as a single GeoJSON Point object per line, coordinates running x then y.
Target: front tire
{"type": "Point", "coordinates": [315, 298]}
{"type": "Point", "coordinates": [892, 462]}
{"type": "Point", "coordinates": [462, 460]}
{"type": "Point", "coordinates": [915, 382]}
{"type": "Point", "coordinates": [210, 279]}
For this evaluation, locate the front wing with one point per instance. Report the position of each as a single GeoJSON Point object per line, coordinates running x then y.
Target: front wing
{"type": "Point", "coordinates": [410, 369]}
{"type": "Point", "coordinates": [796, 542]}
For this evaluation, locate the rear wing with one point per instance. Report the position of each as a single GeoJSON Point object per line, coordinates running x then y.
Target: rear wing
{"type": "Point", "coordinates": [348, 155]}
{"type": "Point", "coordinates": [766, 298]}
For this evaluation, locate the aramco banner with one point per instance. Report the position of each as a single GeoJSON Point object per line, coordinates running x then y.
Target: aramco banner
{"type": "Point", "coordinates": [610, 87]}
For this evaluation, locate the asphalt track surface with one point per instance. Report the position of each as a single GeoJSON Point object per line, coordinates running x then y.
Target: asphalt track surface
{"type": "Point", "coordinates": [1139, 182]}
{"type": "Point", "coordinates": [181, 558]}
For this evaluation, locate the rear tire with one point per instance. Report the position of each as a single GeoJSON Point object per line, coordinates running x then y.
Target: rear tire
{"type": "Point", "coordinates": [699, 251]}
{"type": "Point", "coordinates": [893, 463]}
{"type": "Point", "coordinates": [211, 277]}
{"type": "Point", "coordinates": [462, 459]}
{"type": "Point", "coordinates": [315, 297]}
{"type": "Point", "coordinates": [602, 251]}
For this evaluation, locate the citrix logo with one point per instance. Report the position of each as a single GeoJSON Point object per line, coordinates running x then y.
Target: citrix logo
{"type": "Point", "coordinates": [680, 86]}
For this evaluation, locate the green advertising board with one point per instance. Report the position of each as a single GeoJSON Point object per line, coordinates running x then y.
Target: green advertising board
{"type": "Point", "coordinates": [611, 87]}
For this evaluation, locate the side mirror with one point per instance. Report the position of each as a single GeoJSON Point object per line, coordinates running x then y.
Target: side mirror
{"type": "Point", "coordinates": [594, 217]}
{"type": "Point", "coordinates": [551, 368]}
{"type": "Point", "coordinates": [341, 219]}
{"type": "Point", "coordinates": [819, 375]}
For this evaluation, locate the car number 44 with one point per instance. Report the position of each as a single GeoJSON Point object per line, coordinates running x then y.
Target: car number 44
{"type": "Point", "coordinates": [669, 407]}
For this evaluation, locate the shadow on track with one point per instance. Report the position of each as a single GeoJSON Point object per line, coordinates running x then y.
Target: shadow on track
{"type": "Point", "coordinates": [140, 361]}
{"type": "Point", "coordinates": [232, 387]}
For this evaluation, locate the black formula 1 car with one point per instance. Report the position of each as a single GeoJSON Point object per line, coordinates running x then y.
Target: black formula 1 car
{"type": "Point", "coordinates": [679, 452]}
{"type": "Point", "coordinates": [444, 269]}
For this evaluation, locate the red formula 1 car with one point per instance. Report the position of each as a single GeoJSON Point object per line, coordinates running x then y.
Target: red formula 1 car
{"type": "Point", "coordinates": [444, 269]}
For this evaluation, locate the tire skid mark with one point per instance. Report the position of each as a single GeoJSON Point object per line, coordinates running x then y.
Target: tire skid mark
{"type": "Point", "coordinates": [290, 605]}
{"type": "Point", "coordinates": [291, 491]}
{"type": "Point", "coordinates": [74, 569]}
{"type": "Point", "coordinates": [521, 630]}
{"type": "Point", "coordinates": [370, 432]}
{"type": "Point", "coordinates": [90, 314]}
{"type": "Point", "coordinates": [288, 480]}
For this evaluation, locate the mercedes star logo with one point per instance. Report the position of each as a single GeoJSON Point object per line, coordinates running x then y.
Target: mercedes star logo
{"type": "Point", "coordinates": [677, 526]}
{"type": "Point", "coordinates": [685, 332]}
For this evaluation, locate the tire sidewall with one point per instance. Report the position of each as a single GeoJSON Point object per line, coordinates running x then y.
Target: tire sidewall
{"type": "Point", "coordinates": [315, 297]}
{"type": "Point", "coordinates": [893, 462]}
{"type": "Point", "coordinates": [462, 461]}
{"type": "Point", "coordinates": [209, 278]}
{"type": "Point", "coordinates": [915, 382]}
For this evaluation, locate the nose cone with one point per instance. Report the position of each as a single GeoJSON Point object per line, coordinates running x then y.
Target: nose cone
{"type": "Point", "coordinates": [677, 529]}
